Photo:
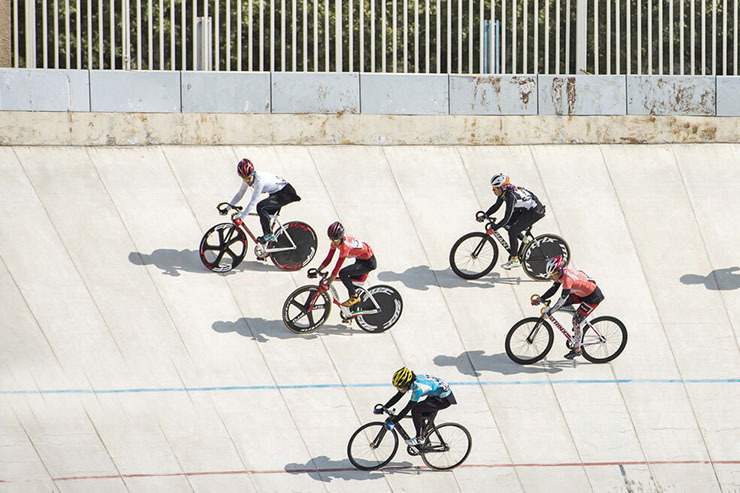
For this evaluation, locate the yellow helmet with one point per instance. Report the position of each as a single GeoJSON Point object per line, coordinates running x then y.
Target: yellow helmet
{"type": "Point", "coordinates": [403, 377]}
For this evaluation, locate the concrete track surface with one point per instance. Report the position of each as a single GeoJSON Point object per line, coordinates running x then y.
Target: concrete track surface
{"type": "Point", "coordinates": [126, 366]}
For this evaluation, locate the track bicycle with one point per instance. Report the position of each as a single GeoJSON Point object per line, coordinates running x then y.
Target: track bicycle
{"type": "Point", "coordinates": [308, 307]}
{"type": "Point", "coordinates": [373, 445]}
{"type": "Point", "coordinates": [474, 254]}
{"type": "Point", "coordinates": [530, 339]}
{"type": "Point", "coordinates": [224, 246]}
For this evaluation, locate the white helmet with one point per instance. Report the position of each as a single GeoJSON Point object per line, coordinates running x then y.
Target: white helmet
{"type": "Point", "coordinates": [499, 180]}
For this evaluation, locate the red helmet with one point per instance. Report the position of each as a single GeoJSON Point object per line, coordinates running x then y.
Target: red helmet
{"type": "Point", "coordinates": [555, 266]}
{"type": "Point", "coordinates": [335, 231]}
{"type": "Point", "coordinates": [245, 168]}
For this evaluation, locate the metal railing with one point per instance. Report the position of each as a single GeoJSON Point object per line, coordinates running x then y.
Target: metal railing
{"type": "Point", "coordinates": [694, 37]}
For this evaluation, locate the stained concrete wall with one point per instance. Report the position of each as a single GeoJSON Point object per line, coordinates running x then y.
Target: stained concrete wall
{"type": "Point", "coordinates": [5, 32]}
{"type": "Point", "coordinates": [379, 94]}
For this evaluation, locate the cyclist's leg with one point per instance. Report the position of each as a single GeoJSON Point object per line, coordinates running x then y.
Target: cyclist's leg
{"type": "Point", "coordinates": [587, 307]}
{"type": "Point", "coordinates": [356, 272]}
{"type": "Point", "coordinates": [525, 220]}
{"type": "Point", "coordinates": [266, 208]}
{"type": "Point", "coordinates": [427, 409]}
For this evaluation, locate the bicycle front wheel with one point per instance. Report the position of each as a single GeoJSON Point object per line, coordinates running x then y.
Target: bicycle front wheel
{"type": "Point", "coordinates": [529, 340]}
{"type": "Point", "coordinates": [537, 252]}
{"type": "Point", "coordinates": [372, 446]}
{"type": "Point", "coordinates": [391, 306]}
{"type": "Point", "coordinates": [223, 247]}
{"type": "Point", "coordinates": [296, 258]}
{"type": "Point", "coordinates": [473, 255]}
{"type": "Point", "coordinates": [604, 338]}
{"type": "Point", "coordinates": [306, 309]}
{"type": "Point", "coordinates": [446, 446]}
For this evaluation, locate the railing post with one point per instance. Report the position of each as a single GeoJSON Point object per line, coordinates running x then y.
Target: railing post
{"type": "Point", "coordinates": [581, 37]}
{"type": "Point", "coordinates": [30, 34]}
{"type": "Point", "coordinates": [5, 34]}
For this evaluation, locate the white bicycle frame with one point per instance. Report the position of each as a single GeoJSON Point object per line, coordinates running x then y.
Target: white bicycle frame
{"type": "Point", "coordinates": [263, 251]}
{"type": "Point", "coordinates": [345, 310]}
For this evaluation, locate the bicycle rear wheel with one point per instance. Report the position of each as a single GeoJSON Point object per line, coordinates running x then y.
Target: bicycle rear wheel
{"type": "Point", "coordinates": [304, 238]}
{"type": "Point", "coordinates": [529, 340]}
{"type": "Point", "coordinates": [391, 305]}
{"type": "Point", "coordinates": [223, 247]}
{"type": "Point", "coordinates": [306, 309]}
{"type": "Point", "coordinates": [473, 255]}
{"type": "Point", "coordinates": [446, 446]}
{"type": "Point", "coordinates": [604, 338]}
{"type": "Point", "coordinates": [372, 446]}
{"type": "Point", "coordinates": [541, 249]}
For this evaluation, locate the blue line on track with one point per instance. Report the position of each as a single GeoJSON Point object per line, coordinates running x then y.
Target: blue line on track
{"type": "Point", "coordinates": [362, 385]}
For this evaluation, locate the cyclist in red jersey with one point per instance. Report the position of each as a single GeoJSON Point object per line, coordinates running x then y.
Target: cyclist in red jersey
{"type": "Point", "coordinates": [577, 288]}
{"type": "Point", "coordinates": [348, 247]}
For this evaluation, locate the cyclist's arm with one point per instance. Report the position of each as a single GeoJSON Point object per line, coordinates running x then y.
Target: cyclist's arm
{"type": "Point", "coordinates": [553, 289]}
{"type": "Point", "coordinates": [340, 261]}
{"type": "Point", "coordinates": [328, 258]}
{"type": "Point", "coordinates": [496, 205]}
{"type": "Point", "coordinates": [257, 187]}
{"type": "Point", "coordinates": [239, 194]}
{"type": "Point", "coordinates": [405, 410]}
{"type": "Point", "coordinates": [392, 401]}
{"type": "Point", "coordinates": [509, 211]}
{"type": "Point", "coordinates": [561, 301]}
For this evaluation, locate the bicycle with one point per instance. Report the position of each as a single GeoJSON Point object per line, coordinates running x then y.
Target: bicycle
{"type": "Point", "coordinates": [530, 339]}
{"type": "Point", "coordinates": [443, 446]}
{"type": "Point", "coordinates": [474, 254]}
{"type": "Point", "coordinates": [224, 246]}
{"type": "Point", "coordinates": [308, 307]}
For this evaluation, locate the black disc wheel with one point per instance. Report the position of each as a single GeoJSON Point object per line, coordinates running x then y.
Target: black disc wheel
{"type": "Point", "coordinates": [446, 446]}
{"type": "Point", "coordinates": [223, 247]}
{"type": "Point", "coordinates": [529, 340]}
{"type": "Point", "coordinates": [604, 338]}
{"type": "Point", "coordinates": [306, 309]}
{"type": "Point", "coordinates": [473, 255]}
{"type": "Point", "coordinates": [304, 239]}
{"type": "Point", "coordinates": [372, 446]}
{"type": "Point", "coordinates": [536, 253]}
{"type": "Point", "coordinates": [390, 306]}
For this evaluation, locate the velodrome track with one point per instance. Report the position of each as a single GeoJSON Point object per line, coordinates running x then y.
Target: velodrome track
{"type": "Point", "coordinates": [126, 366]}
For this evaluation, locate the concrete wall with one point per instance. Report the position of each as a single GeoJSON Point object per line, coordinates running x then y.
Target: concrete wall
{"type": "Point", "coordinates": [371, 94]}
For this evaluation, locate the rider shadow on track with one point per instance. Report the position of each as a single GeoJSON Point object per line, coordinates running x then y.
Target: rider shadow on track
{"type": "Point", "coordinates": [262, 330]}
{"type": "Point", "coordinates": [499, 363]}
{"type": "Point", "coordinates": [717, 280]}
{"type": "Point", "coordinates": [422, 277]}
{"type": "Point", "coordinates": [172, 262]}
{"type": "Point", "coordinates": [324, 469]}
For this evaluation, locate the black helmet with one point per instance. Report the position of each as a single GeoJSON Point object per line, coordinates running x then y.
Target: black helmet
{"type": "Point", "coordinates": [335, 231]}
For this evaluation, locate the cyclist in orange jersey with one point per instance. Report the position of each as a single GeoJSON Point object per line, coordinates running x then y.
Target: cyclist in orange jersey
{"type": "Point", "coordinates": [577, 288]}
{"type": "Point", "coordinates": [348, 247]}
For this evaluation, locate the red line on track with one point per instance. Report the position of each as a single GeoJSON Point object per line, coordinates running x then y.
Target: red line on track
{"type": "Point", "coordinates": [348, 469]}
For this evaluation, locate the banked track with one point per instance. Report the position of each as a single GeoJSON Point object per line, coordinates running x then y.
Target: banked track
{"type": "Point", "coordinates": [126, 366]}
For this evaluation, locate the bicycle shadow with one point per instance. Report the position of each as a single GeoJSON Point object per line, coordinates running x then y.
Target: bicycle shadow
{"type": "Point", "coordinates": [717, 280]}
{"type": "Point", "coordinates": [499, 363]}
{"type": "Point", "coordinates": [262, 330]}
{"type": "Point", "coordinates": [172, 262]}
{"type": "Point", "coordinates": [324, 469]}
{"type": "Point", "coordinates": [422, 277]}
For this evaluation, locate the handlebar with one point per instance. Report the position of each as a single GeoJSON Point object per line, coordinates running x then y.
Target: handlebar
{"type": "Point", "coordinates": [390, 412]}
{"type": "Point", "coordinates": [225, 207]}
{"type": "Point", "coordinates": [481, 216]}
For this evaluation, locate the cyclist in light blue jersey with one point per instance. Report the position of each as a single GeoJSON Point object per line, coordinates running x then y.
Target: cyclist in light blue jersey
{"type": "Point", "coordinates": [438, 396]}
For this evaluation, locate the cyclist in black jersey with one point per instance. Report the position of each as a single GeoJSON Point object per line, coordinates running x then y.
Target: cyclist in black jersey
{"type": "Point", "coordinates": [523, 209]}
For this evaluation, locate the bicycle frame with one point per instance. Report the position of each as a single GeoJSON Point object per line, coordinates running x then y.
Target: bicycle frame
{"type": "Point", "coordinates": [345, 311]}
{"type": "Point", "coordinates": [273, 220]}
{"type": "Point", "coordinates": [492, 232]}
{"type": "Point", "coordinates": [551, 318]}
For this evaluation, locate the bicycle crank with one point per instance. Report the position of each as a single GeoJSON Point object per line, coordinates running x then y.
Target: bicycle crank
{"type": "Point", "coordinates": [259, 251]}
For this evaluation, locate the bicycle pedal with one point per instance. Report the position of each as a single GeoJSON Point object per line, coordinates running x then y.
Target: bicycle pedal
{"type": "Point", "coordinates": [412, 450]}
{"type": "Point", "coordinates": [347, 321]}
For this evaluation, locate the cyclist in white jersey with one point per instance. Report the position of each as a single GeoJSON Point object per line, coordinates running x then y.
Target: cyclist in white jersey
{"type": "Point", "coordinates": [438, 397]}
{"type": "Point", "coordinates": [523, 209]}
{"type": "Point", "coordinates": [280, 193]}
